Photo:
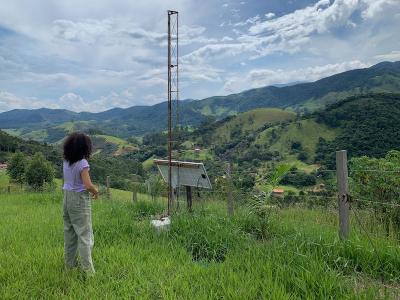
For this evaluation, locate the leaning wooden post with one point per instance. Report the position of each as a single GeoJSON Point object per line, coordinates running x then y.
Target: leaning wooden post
{"type": "Point", "coordinates": [134, 195]}
{"type": "Point", "coordinates": [108, 187]}
{"type": "Point", "coordinates": [189, 198]}
{"type": "Point", "coordinates": [229, 185]}
{"type": "Point", "coordinates": [343, 192]}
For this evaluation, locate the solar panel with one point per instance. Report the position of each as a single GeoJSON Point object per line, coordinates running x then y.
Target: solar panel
{"type": "Point", "coordinates": [184, 173]}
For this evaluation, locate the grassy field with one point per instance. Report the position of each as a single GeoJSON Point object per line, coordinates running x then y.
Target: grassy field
{"type": "Point", "coordinates": [123, 146]}
{"type": "Point", "coordinates": [204, 255]}
{"type": "Point", "coordinates": [307, 132]}
{"type": "Point", "coordinates": [252, 120]}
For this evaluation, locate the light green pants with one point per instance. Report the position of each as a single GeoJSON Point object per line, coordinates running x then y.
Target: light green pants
{"type": "Point", "coordinates": [78, 233]}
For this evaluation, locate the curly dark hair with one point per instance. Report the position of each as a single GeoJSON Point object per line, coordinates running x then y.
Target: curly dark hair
{"type": "Point", "coordinates": [77, 146]}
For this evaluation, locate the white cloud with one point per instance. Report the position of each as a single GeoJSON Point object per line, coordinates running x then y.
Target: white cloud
{"type": "Point", "coordinates": [391, 56]}
{"type": "Point", "coordinates": [373, 7]}
{"type": "Point", "coordinates": [76, 102]}
{"type": "Point", "coordinates": [10, 101]}
{"type": "Point", "coordinates": [249, 21]}
{"type": "Point", "coordinates": [226, 39]}
{"type": "Point", "coordinates": [270, 15]}
{"type": "Point", "coordinates": [113, 53]}
{"type": "Point", "coordinates": [313, 19]}
{"type": "Point", "coordinates": [292, 32]}
{"type": "Point", "coordinates": [264, 77]}
{"type": "Point", "coordinates": [126, 32]}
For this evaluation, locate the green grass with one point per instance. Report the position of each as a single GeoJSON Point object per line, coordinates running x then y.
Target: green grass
{"type": "Point", "coordinates": [204, 154]}
{"type": "Point", "coordinates": [3, 180]}
{"type": "Point", "coordinates": [122, 145]}
{"type": "Point", "coordinates": [307, 132]}
{"type": "Point", "coordinates": [13, 132]}
{"type": "Point", "coordinates": [67, 126]}
{"type": "Point", "coordinates": [36, 135]}
{"type": "Point", "coordinates": [252, 120]}
{"type": "Point", "coordinates": [204, 255]}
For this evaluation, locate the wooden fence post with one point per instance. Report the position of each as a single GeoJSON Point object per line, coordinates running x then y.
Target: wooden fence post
{"type": "Point", "coordinates": [189, 197]}
{"type": "Point", "coordinates": [343, 191]}
{"type": "Point", "coordinates": [230, 184]}
{"type": "Point", "coordinates": [9, 189]}
{"type": "Point", "coordinates": [108, 187]}
{"type": "Point", "coordinates": [134, 196]}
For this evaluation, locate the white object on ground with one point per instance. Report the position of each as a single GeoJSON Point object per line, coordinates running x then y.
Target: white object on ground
{"type": "Point", "coordinates": [161, 224]}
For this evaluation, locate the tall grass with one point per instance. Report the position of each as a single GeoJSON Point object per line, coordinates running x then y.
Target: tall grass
{"type": "Point", "coordinates": [204, 255]}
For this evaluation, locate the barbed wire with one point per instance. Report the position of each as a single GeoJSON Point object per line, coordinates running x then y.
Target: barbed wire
{"type": "Point", "coordinates": [376, 202]}
{"type": "Point", "coordinates": [355, 212]}
{"type": "Point", "coordinates": [375, 170]}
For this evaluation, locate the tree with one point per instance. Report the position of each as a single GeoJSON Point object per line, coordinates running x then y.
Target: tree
{"type": "Point", "coordinates": [39, 172]}
{"type": "Point", "coordinates": [16, 167]}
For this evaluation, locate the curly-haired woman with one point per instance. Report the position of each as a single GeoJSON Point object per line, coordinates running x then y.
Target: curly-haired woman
{"type": "Point", "coordinates": [78, 233]}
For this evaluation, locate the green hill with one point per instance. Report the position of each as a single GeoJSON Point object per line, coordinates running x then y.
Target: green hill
{"type": "Point", "coordinates": [140, 120]}
{"type": "Point", "coordinates": [363, 125]}
{"type": "Point", "coordinates": [366, 125]}
{"type": "Point", "coordinates": [251, 121]}
{"type": "Point", "coordinates": [115, 146]}
{"type": "Point", "coordinates": [296, 137]}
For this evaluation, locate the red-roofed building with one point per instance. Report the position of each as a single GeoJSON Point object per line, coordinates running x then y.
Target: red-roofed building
{"type": "Point", "coordinates": [278, 192]}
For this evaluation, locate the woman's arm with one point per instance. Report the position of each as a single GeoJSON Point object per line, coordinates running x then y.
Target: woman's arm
{"type": "Point", "coordinates": [88, 182]}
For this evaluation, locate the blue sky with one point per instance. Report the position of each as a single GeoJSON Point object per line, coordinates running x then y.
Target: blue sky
{"type": "Point", "coordinates": [95, 55]}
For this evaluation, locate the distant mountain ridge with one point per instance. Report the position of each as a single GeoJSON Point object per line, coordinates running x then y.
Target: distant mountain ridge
{"type": "Point", "coordinates": [139, 120]}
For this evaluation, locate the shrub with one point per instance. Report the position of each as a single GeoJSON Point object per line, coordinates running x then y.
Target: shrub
{"type": "Point", "coordinates": [39, 172]}
{"type": "Point", "coordinates": [299, 179]}
{"type": "Point", "coordinates": [16, 167]}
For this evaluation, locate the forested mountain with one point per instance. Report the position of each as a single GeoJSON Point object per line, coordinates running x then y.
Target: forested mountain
{"type": "Point", "coordinates": [43, 124]}
{"type": "Point", "coordinates": [363, 125]}
{"type": "Point", "coordinates": [254, 140]}
{"type": "Point", "coordinates": [367, 125]}
{"type": "Point", "coordinates": [10, 144]}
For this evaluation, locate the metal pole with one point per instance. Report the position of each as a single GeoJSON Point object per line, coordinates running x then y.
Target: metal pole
{"type": "Point", "coordinates": [169, 118]}
{"type": "Point", "coordinates": [343, 191]}
{"type": "Point", "coordinates": [171, 67]}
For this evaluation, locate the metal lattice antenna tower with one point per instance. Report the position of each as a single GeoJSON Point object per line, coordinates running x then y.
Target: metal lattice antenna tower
{"type": "Point", "coordinates": [173, 93]}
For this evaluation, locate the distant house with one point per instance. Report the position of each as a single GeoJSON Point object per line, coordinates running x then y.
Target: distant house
{"type": "Point", "coordinates": [278, 192]}
{"type": "Point", "coordinates": [197, 152]}
{"type": "Point", "coordinates": [3, 166]}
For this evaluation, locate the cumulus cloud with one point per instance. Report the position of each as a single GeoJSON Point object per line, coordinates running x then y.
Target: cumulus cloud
{"type": "Point", "coordinates": [264, 77]}
{"type": "Point", "coordinates": [10, 101]}
{"type": "Point", "coordinates": [373, 7]}
{"type": "Point", "coordinates": [270, 15]}
{"type": "Point", "coordinates": [122, 31]}
{"type": "Point", "coordinates": [289, 33]}
{"type": "Point", "coordinates": [114, 53]}
{"type": "Point", "coordinates": [317, 18]}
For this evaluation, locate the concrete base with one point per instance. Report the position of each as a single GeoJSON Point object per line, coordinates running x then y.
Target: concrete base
{"type": "Point", "coordinates": [161, 224]}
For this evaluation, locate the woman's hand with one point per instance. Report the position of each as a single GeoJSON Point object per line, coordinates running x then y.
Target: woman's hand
{"type": "Point", "coordinates": [88, 183]}
{"type": "Point", "coordinates": [95, 193]}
